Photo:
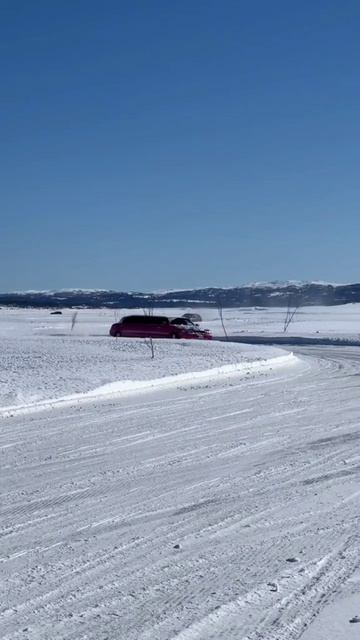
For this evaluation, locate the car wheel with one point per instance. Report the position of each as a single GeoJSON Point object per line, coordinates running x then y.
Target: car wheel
{"type": "Point", "coordinates": [173, 336]}
{"type": "Point", "coordinates": [118, 334]}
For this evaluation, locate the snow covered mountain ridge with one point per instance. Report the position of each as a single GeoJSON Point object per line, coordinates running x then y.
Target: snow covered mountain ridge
{"type": "Point", "coordinates": [271, 284]}
{"type": "Point", "coordinates": [264, 294]}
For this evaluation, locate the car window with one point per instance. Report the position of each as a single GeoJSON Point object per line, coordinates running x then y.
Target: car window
{"type": "Point", "coordinates": [128, 320]}
{"type": "Point", "coordinates": [134, 319]}
{"type": "Point", "coordinates": [159, 320]}
{"type": "Point", "coordinates": [145, 320]}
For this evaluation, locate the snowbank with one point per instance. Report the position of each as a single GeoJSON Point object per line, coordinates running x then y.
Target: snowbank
{"type": "Point", "coordinates": [38, 367]}
{"type": "Point", "coordinates": [34, 371]}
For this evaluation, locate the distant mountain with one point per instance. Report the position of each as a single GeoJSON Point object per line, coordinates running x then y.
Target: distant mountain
{"type": "Point", "coordinates": [257, 294]}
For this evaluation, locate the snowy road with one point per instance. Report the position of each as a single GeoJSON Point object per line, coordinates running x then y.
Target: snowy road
{"type": "Point", "coordinates": [256, 480]}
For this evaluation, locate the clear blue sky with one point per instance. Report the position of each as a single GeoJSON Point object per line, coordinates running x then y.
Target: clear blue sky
{"type": "Point", "coordinates": [148, 144]}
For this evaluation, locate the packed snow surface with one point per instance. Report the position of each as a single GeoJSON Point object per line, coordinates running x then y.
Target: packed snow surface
{"type": "Point", "coordinates": [221, 510]}
{"type": "Point", "coordinates": [224, 508]}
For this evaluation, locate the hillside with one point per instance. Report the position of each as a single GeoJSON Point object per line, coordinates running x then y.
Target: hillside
{"type": "Point", "coordinates": [272, 294]}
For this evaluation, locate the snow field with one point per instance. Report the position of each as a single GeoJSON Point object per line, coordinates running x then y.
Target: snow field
{"type": "Point", "coordinates": [221, 510]}
{"type": "Point", "coordinates": [43, 360]}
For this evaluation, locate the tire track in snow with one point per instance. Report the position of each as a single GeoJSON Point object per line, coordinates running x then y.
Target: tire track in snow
{"type": "Point", "coordinates": [300, 596]}
{"type": "Point", "coordinates": [87, 577]}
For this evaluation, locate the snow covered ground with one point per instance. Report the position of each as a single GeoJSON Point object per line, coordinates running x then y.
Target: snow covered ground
{"type": "Point", "coordinates": [43, 360]}
{"type": "Point", "coordinates": [337, 321]}
{"type": "Point", "coordinates": [222, 508]}
{"type": "Point", "coordinates": [341, 321]}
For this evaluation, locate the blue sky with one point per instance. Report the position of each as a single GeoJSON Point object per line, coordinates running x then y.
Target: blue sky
{"type": "Point", "coordinates": [154, 144]}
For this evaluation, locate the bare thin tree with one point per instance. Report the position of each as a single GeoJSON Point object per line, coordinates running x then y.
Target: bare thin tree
{"type": "Point", "coordinates": [292, 308]}
{"type": "Point", "coordinates": [220, 309]}
{"type": "Point", "coordinates": [150, 343]}
{"type": "Point", "coordinates": [73, 320]}
{"type": "Point", "coordinates": [149, 310]}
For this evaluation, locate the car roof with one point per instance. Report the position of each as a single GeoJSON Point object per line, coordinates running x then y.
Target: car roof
{"type": "Point", "coordinates": [146, 318]}
{"type": "Point", "coordinates": [140, 317]}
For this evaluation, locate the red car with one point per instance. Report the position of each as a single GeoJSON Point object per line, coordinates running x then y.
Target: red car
{"type": "Point", "coordinates": [155, 327]}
